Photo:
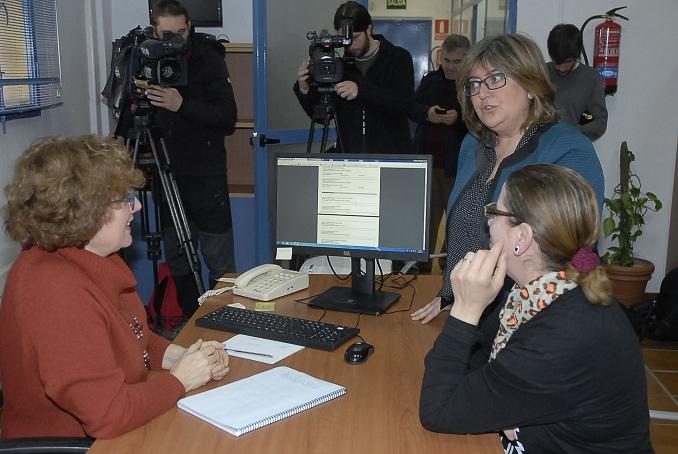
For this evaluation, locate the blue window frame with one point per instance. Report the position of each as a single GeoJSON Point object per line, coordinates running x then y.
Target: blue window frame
{"type": "Point", "coordinates": [30, 70]}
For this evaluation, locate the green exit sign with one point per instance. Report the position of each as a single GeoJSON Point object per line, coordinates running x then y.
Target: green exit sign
{"type": "Point", "coordinates": [396, 4]}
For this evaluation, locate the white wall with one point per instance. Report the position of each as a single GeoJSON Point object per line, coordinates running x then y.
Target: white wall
{"type": "Point", "coordinates": [644, 111]}
{"type": "Point", "coordinates": [237, 16]}
{"type": "Point", "coordinates": [73, 118]}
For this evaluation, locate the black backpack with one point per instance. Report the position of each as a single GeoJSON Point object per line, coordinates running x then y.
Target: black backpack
{"type": "Point", "coordinates": [657, 319]}
{"type": "Point", "coordinates": [663, 324]}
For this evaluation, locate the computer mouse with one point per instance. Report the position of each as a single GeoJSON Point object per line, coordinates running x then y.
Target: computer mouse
{"type": "Point", "coordinates": [357, 353]}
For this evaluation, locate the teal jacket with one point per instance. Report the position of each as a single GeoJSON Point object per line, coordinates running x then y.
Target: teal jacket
{"type": "Point", "coordinates": [561, 144]}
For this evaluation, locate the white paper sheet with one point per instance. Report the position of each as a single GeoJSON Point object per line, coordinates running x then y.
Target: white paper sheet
{"type": "Point", "coordinates": [283, 253]}
{"type": "Point", "coordinates": [278, 350]}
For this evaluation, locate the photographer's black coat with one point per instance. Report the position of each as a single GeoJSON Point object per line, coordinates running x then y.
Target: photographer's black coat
{"type": "Point", "coordinates": [385, 94]}
{"type": "Point", "coordinates": [195, 133]}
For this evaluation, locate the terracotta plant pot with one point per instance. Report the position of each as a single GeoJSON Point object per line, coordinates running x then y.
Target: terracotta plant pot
{"type": "Point", "coordinates": [629, 282]}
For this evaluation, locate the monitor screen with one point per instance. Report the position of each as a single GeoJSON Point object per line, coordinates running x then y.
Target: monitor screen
{"type": "Point", "coordinates": [201, 13]}
{"type": "Point", "coordinates": [363, 206]}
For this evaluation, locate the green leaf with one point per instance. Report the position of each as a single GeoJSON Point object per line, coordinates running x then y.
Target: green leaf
{"type": "Point", "coordinates": [607, 258]}
{"type": "Point", "coordinates": [609, 226]}
{"type": "Point", "coordinates": [635, 192]}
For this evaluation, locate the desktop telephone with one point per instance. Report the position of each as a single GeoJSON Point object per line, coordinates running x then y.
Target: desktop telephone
{"type": "Point", "coordinates": [267, 282]}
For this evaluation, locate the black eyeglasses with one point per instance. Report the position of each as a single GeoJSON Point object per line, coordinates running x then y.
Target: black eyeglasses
{"type": "Point", "coordinates": [130, 200]}
{"type": "Point", "coordinates": [492, 211]}
{"type": "Point", "coordinates": [492, 82]}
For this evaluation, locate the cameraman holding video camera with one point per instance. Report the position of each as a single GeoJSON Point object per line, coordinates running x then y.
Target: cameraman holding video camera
{"type": "Point", "coordinates": [193, 121]}
{"type": "Point", "coordinates": [372, 101]}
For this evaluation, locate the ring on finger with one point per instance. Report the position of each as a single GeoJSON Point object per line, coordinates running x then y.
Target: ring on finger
{"type": "Point", "coordinates": [466, 260]}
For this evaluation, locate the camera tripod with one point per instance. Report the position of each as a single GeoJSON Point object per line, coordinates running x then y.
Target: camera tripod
{"type": "Point", "coordinates": [158, 164]}
{"type": "Point", "coordinates": [324, 111]}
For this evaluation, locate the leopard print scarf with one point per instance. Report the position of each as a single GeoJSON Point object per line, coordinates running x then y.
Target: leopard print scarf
{"type": "Point", "coordinates": [526, 302]}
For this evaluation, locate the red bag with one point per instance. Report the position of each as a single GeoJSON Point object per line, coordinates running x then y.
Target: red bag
{"type": "Point", "coordinates": [164, 312]}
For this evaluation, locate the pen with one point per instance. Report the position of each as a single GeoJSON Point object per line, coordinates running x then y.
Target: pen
{"type": "Point", "coordinates": [249, 353]}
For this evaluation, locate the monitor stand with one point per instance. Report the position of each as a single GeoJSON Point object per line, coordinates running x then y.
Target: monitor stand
{"type": "Point", "coordinates": [361, 297]}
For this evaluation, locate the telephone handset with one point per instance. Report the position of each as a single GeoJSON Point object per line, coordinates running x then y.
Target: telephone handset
{"type": "Point", "coordinates": [269, 281]}
{"type": "Point", "coordinates": [246, 277]}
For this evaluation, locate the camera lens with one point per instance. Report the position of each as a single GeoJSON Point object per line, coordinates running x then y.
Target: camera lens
{"type": "Point", "coordinates": [168, 72]}
{"type": "Point", "coordinates": [327, 68]}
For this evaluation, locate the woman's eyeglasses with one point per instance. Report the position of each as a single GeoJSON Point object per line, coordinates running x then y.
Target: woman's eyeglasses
{"type": "Point", "coordinates": [130, 200]}
{"type": "Point", "coordinates": [491, 211]}
{"type": "Point", "coordinates": [492, 82]}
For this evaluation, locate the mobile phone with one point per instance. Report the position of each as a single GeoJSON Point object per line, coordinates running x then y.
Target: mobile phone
{"type": "Point", "coordinates": [440, 111]}
{"type": "Point", "coordinates": [585, 118]}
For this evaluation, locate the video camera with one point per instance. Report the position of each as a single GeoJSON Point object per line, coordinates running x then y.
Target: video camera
{"type": "Point", "coordinates": [326, 66]}
{"type": "Point", "coordinates": [138, 60]}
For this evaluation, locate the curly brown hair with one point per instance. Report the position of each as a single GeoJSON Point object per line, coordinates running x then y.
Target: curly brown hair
{"type": "Point", "coordinates": [62, 190]}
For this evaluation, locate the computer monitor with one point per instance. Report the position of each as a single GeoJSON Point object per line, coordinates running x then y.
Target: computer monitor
{"type": "Point", "coordinates": [201, 13]}
{"type": "Point", "coordinates": [362, 206]}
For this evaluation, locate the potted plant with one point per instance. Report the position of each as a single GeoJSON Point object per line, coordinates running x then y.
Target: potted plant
{"type": "Point", "coordinates": [627, 208]}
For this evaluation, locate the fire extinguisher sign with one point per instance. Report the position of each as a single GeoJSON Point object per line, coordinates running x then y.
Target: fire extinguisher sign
{"type": "Point", "coordinates": [441, 28]}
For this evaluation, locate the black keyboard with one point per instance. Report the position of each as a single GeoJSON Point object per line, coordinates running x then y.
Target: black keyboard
{"type": "Point", "coordinates": [298, 331]}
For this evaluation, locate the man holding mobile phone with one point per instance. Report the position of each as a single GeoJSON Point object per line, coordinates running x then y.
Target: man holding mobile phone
{"type": "Point", "coordinates": [440, 129]}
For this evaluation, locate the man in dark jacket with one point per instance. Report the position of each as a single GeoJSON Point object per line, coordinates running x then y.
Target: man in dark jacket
{"type": "Point", "coordinates": [193, 121]}
{"type": "Point", "coordinates": [373, 99]}
{"type": "Point", "coordinates": [440, 129]}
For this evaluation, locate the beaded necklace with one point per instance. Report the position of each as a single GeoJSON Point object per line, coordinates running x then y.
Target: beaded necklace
{"type": "Point", "coordinates": [138, 329]}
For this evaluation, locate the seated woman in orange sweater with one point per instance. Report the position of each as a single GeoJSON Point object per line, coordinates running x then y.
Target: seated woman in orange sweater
{"type": "Point", "coordinates": [75, 350]}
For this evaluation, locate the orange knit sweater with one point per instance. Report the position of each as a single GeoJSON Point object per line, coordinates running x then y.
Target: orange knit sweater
{"type": "Point", "coordinates": [70, 364]}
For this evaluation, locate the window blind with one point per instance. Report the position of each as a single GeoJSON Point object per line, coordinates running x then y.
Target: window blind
{"type": "Point", "coordinates": [30, 72]}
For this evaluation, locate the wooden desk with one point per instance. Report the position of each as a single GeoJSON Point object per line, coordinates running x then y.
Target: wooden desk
{"type": "Point", "coordinates": [378, 414]}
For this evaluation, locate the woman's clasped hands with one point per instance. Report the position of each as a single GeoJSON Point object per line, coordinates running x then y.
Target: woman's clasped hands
{"type": "Point", "coordinates": [201, 362]}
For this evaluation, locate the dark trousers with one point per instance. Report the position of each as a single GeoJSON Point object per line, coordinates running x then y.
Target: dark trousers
{"type": "Point", "coordinates": [208, 211]}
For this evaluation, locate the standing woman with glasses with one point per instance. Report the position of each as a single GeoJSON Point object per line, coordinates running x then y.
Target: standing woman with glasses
{"type": "Point", "coordinates": [507, 103]}
{"type": "Point", "coordinates": [75, 350]}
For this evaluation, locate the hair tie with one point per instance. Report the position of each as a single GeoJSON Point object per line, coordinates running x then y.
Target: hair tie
{"type": "Point", "coordinates": [585, 260]}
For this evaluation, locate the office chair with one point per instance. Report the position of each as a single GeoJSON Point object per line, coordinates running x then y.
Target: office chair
{"type": "Point", "coordinates": [45, 445]}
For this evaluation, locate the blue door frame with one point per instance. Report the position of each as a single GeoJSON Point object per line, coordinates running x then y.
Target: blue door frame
{"type": "Point", "coordinates": [263, 227]}
{"type": "Point", "coordinates": [262, 223]}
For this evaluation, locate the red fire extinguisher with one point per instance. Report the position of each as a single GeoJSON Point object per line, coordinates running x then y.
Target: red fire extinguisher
{"type": "Point", "coordinates": [606, 48]}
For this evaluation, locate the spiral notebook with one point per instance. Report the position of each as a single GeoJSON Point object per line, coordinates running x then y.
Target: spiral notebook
{"type": "Point", "coordinates": [259, 400]}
